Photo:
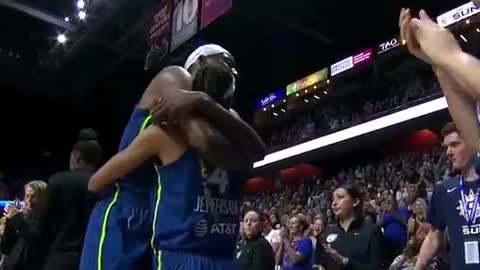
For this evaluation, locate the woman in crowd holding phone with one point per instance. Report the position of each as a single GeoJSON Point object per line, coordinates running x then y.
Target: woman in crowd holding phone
{"type": "Point", "coordinates": [21, 239]}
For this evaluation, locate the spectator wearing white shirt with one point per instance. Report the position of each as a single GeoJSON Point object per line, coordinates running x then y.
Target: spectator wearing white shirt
{"type": "Point", "coordinates": [272, 235]}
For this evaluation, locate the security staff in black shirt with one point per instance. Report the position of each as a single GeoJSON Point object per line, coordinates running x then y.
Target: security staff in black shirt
{"type": "Point", "coordinates": [69, 204]}
{"type": "Point", "coordinates": [256, 253]}
{"type": "Point", "coordinates": [352, 243]}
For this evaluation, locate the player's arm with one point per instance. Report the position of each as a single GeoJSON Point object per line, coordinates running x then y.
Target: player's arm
{"type": "Point", "coordinates": [168, 83]}
{"type": "Point", "coordinates": [430, 247]}
{"type": "Point", "coordinates": [213, 145]}
{"type": "Point", "coordinates": [143, 147]}
{"type": "Point", "coordinates": [436, 217]}
{"type": "Point", "coordinates": [234, 128]}
{"type": "Point", "coordinates": [461, 108]}
{"type": "Point", "coordinates": [464, 69]}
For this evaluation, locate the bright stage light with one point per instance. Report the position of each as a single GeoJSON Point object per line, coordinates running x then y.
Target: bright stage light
{"type": "Point", "coordinates": [82, 15]}
{"type": "Point", "coordinates": [80, 4]}
{"type": "Point", "coordinates": [61, 38]}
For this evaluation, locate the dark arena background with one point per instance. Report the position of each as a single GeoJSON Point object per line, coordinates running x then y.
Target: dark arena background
{"type": "Point", "coordinates": [329, 86]}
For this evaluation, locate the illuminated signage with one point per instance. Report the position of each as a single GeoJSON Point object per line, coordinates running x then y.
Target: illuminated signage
{"type": "Point", "coordinates": [341, 66]}
{"type": "Point", "coordinates": [388, 45]}
{"type": "Point", "coordinates": [457, 14]}
{"type": "Point", "coordinates": [270, 98]}
{"type": "Point", "coordinates": [363, 57]}
{"type": "Point", "coordinates": [307, 81]}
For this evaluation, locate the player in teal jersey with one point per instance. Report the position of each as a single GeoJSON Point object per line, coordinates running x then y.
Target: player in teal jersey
{"type": "Point", "coordinates": [202, 170]}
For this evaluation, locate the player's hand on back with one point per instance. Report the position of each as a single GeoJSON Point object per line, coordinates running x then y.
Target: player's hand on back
{"type": "Point", "coordinates": [173, 106]}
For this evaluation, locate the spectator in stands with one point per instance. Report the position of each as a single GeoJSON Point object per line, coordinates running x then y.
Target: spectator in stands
{"type": "Point", "coordinates": [450, 207]}
{"type": "Point", "coordinates": [296, 250]}
{"type": "Point", "coordinates": [22, 242]}
{"type": "Point", "coordinates": [418, 227]}
{"type": "Point", "coordinates": [393, 220]}
{"type": "Point", "coordinates": [317, 232]}
{"type": "Point", "coordinates": [272, 235]}
{"type": "Point", "coordinates": [407, 259]}
{"type": "Point", "coordinates": [256, 253]}
{"type": "Point", "coordinates": [353, 243]}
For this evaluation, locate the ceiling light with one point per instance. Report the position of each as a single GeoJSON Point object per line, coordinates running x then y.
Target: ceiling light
{"type": "Point", "coordinates": [316, 97]}
{"type": "Point", "coordinates": [80, 4]}
{"type": "Point", "coordinates": [463, 38]}
{"type": "Point", "coordinates": [273, 105]}
{"type": "Point", "coordinates": [264, 109]}
{"type": "Point", "coordinates": [61, 38]}
{"type": "Point", "coordinates": [306, 100]}
{"type": "Point", "coordinates": [284, 100]}
{"type": "Point", "coordinates": [67, 19]}
{"type": "Point", "coordinates": [297, 94]}
{"type": "Point", "coordinates": [314, 87]}
{"type": "Point", "coordinates": [478, 30]}
{"type": "Point", "coordinates": [325, 92]}
{"type": "Point", "coordinates": [82, 15]}
{"type": "Point", "coordinates": [283, 110]}
{"type": "Point", "coordinates": [328, 81]}
{"type": "Point", "coordinates": [275, 114]}
{"type": "Point", "coordinates": [467, 21]}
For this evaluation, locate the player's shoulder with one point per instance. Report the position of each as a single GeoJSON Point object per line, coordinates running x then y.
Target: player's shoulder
{"type": "Point", "coordinates": [151, 134]}
{"type": "Point", "coordinates": [173, 72]}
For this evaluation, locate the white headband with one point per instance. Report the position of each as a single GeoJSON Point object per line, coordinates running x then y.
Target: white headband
{"type": "Point", "coordinates": [205, 50]}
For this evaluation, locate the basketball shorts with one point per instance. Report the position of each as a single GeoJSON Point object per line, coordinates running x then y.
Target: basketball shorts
{"type": "Point", "coordinates": [118, 237]}
{"type": "Point", "coordinates": [185, 261]}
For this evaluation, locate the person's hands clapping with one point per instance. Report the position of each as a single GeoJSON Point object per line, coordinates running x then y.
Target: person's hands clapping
{"type": "Point", "coordinates": [426, 39]}
{"type": "Point", "coordinates": [337, 257]}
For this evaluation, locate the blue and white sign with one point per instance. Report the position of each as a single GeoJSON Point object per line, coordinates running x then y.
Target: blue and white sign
{"type": "Point", "coordinates": [457, 14]}
{"type": "Point", "coordinates": [270, 98]}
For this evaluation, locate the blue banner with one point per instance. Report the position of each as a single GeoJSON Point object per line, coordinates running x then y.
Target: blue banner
{"type": "Point", "coordinates": [270, 98]}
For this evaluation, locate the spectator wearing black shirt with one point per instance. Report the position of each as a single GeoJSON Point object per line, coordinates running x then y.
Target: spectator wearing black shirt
{"type": "Point", "coordinates": [455, 207]}
{"type": "Point", "coordinates": [256, 253]}
{"type": "Point", "coordinates": [22, 242]}
{"type": "Point", "coordinates": [353, 243]}
{"type": "Point", "coordinates": [69, 204]}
